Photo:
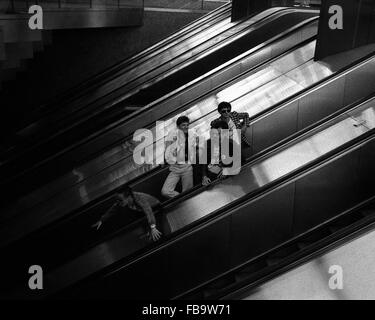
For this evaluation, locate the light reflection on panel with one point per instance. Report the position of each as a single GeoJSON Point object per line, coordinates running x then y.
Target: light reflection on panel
{"type": "Point", "coordinates": [306, 151]}
{"type": "Point", "coordinates": [297, 57]}
{"type": "Point", "coordinates": [310, 74]}
{"type": "Point", "coordinates": [248, 84]}
{"type": "Point", "coordinates": [268, 170]}
{"type": "Point", "coordinates": [267, 96]}
{"type": "Point", "coordinates": [365, 117]}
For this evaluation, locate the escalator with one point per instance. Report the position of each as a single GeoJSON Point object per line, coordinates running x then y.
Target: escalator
{"type": "Point", "coordinates": [319, 146]}
{"type": "Point", "coordinates": [34, 125]}
{"type": "Point", "coordinates": [283, 103]}
{"type": "Point", "coordinates": [197, 96]}
{"type": "Point", "coordinates": [39, 208]}
{"type": "Point", "coordinates": [90, 86]}
{"type": "Point", "coordinates": [48, 158]}
{"type": "Point", "coordinates": [305, 262]}
{"type": "Point", "coordinates": [316, 177]}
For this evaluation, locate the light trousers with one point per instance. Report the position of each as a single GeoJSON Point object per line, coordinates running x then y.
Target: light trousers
{"type": "Point", "coordinates": [186, 177]}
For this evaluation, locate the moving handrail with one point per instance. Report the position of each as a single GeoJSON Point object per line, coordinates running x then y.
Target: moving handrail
{"type": "Point", "coordinates": [258, 180]}
{"type": "Point", "coordinates": [65, 133]}
{"type": "Point", "coordinates": [292, 253]}
{"type": "Point", "coordinates": [125, 76]}
{"type": "Point", "coordinates": [356, 114]}
{"type": "Point", "coordinates": [113, 133]}
{"type": "Point", "coordinates": [320, 111]}
{"type": "Point", "coordinates": [289, 41]}
{"type": "Point", "coordinates": [121, 269]}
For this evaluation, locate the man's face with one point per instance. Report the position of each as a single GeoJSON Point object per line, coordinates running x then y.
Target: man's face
{"type": "Point", "coordinates": [184, 127]}
{"type": "Point", "coordinates": [225, 112]}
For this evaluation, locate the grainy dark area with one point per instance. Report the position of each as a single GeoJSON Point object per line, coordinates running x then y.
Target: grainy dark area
{"type": "Point", "coordinates": [76, 55]}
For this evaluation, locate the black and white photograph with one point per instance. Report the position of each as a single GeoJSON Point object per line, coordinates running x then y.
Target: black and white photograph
{"type": "Point", "coordinates": [189, 156]}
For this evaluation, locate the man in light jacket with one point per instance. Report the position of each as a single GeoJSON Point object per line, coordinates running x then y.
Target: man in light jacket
{"type": "Point", "coordinates": [180, 154]}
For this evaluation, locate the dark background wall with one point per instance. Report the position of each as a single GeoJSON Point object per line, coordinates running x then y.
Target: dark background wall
{"type": "Point", "coordinates": [76, 55]}
{"type": "Point", "coordinates": [358, 27]}
{"type": "Point", "coordinates": [244, 8]}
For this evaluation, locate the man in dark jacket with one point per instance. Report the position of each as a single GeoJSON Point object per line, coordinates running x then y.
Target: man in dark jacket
{"type": "Point", "coordinates": [235, 120]}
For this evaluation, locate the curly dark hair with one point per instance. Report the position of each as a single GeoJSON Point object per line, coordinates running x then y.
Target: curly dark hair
{"type": "Point", "coordinates": [182, 119]}
{"type": "Point", "coordinates": [223, 105]}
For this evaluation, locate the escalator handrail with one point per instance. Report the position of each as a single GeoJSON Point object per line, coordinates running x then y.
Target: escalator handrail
{"type": "Point", "coordinates": [211, 73]}
{"type": "Point", "coordinates": [305, 91]}
{"type": "Point", "coordinates": [277, 147]}
{"type": "Point", "coordinates": [302, 25]}
{"type": "Point", "coordinates": [250, 197]}
{"type": "Point", "coordinates": [114, 94]}
{"type": "Point", "coordinates": [77, 90]}
{"type": "Point", "coordinates": [296, 96]}
{"type": "Point", "coordinates": [228, 209]}
{"type": "Point", "coordinates": [197, 190]}
{"type": "Point", "coordinates": [362, 224]}
{"type": "Point", "coordinates": [104, 198]}
{"type": "Point", "coordinates": [326, 245]}
{"type": "Point", "coordinates": [149, 106]}
{"type": "Point", "coordinates": [7, 158]}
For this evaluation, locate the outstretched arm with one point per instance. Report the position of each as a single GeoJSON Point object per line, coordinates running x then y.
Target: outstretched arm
{"type": "Point", "coordinates": [146, 208]}
{"type": "Point", "coordinates": [155, 234]}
